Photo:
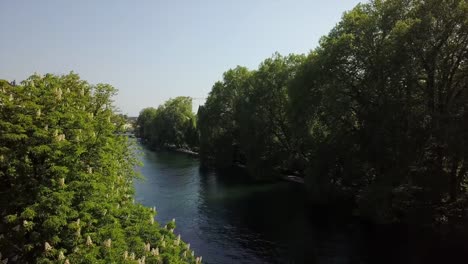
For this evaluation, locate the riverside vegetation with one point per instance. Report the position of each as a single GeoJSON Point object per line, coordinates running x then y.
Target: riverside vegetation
{"type": "Point", "coordinates": [66, 180]}
{"type": "Point", "coordinates": [376, 115]}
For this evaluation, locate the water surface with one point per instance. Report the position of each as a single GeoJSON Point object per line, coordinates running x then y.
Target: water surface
{"type": "Point", "coordinates": [229, 219]}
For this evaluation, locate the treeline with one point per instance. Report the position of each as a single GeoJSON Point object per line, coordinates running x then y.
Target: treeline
{"type": "Point", "coordinates": [66, 192]}
{"type": "Point", "coordinates": [170, 125]}
{"type": "Point", "coordinates": [376, 114]}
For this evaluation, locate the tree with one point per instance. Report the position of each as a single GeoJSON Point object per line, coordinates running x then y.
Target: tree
{"type": "Point", "coordinates": [384, 102]}
{"type": "Point", "coordinates": [66, 179]}
{"type": "Point", "coordinates": [144, 120]}
{"type": "Point", "coordinates": [218, 128]}
{"type": "Point", "coordinates": [171, 124]}
{"type": "Point", "coordinates": [263, 120]}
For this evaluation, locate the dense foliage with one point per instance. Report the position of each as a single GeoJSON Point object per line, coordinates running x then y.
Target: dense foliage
{"type": "Point", "coordinates": [171, 124]}
{"type": "Point", "coordinates": [377, 114]}
{"type": "Point", "coordinates": [66, 179]}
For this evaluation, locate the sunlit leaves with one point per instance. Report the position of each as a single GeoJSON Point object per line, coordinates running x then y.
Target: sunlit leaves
{"type": "Point", "coordinates": [66, 174]}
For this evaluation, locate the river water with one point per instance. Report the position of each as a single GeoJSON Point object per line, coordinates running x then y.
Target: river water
{"type": "Point", "coordinates": [229, 219]}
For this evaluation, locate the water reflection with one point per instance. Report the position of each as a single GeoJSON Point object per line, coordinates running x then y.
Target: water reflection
{"type": "Point", "coordinates": [229, 219]}
{"type": "Point", "coordinates": [226, 217]}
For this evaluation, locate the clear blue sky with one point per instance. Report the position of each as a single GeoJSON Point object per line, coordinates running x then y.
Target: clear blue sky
{"type": "Point", "coordinates": [154, 50]}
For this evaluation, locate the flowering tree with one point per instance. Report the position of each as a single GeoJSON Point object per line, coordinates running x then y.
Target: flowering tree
{"type": "Point", "coordinates": [66, 193]}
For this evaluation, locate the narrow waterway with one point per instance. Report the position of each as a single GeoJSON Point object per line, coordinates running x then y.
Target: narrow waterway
{"type": "Point", "coordinates": [228, 219]}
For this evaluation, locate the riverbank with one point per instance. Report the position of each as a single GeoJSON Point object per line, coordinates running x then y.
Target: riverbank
{"type": "Point", "coordinates": [292, 178]}
{"type": "Point", "coordinates": [283, 177]}
{"type": "Point", "coordinates": [172, 148]}
{"type": "Point", "coordinates": [186, 151]}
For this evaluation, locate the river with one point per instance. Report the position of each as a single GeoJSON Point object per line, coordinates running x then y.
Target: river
{"type": "Point", "coordinates": [229, 219]}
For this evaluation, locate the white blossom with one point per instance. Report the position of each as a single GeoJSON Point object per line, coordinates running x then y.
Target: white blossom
{"type": "Point", "coordinates": [58, 94]}
{"type": "Point", "coordinates": [108, 243]}
{"type": "Point", "coordinates": [47, 246]}
{"type": "Point", "coordinates": [89, 242]}
{"type": "Point", "coordinates": [155, 251]}
{"type": "Point", "coordinates": [62, 182]}
{"type": "Point", "coordinates": [60, 137]}
{"type": "Point", "coordinates": [61, 256]}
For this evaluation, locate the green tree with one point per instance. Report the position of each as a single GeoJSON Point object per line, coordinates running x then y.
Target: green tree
{"type": "Point", "coordinates": [383, 101]}
{"type": "Point", "coordinates": [143, 122]}
{"type": "Point", "coordinates": [263, 121]}
{"type": "Point", "coordinates": [66, 179]}
{"type": "Point", "coordinates": [218, 128]}
{"type": "Point", "coordinates": [171, 124]}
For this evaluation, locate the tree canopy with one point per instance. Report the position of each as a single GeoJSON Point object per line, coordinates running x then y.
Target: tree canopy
{"type": "Point", "coordinates": [66, 176]}
{"type": "Point", "coordinates": [171, 124]}
{"type": "Point", "coordinates": [376, 114]}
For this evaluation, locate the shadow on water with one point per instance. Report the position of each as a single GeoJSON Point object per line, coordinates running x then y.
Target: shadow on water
{"type": "Point", "coordinates": [227, 218]}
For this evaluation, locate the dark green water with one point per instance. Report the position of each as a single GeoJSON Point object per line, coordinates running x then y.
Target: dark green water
{"type": "Point", "coordinates": [228, 219]}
